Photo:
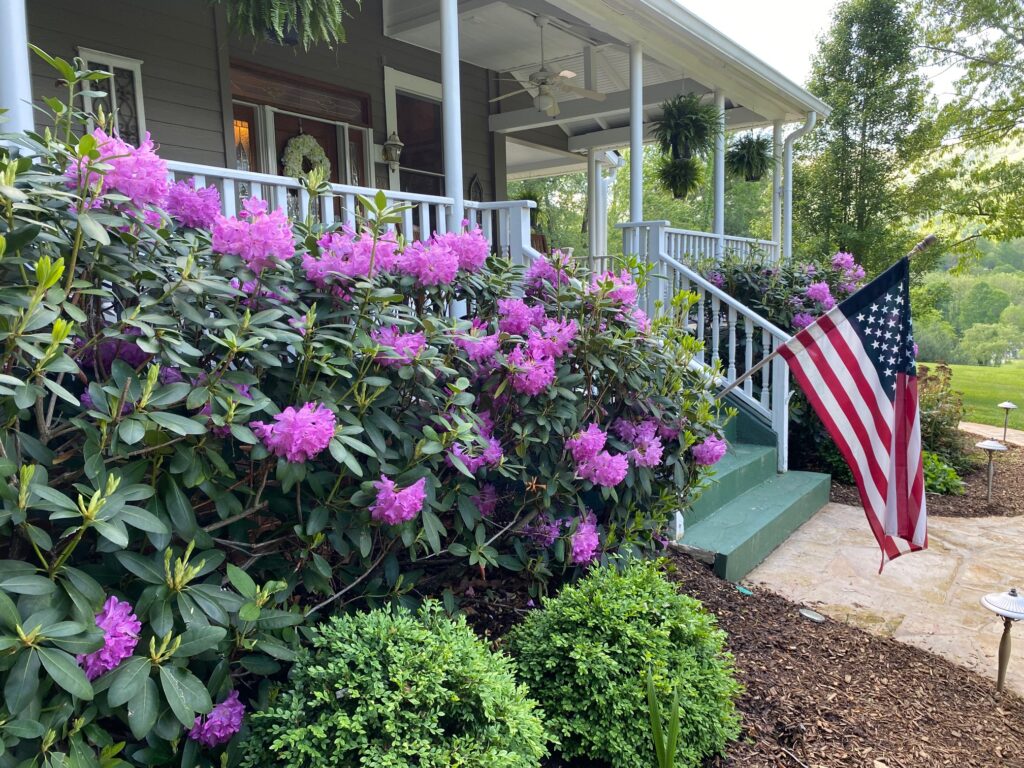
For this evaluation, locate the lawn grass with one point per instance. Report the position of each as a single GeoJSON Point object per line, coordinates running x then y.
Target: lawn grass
{"type": "Point", "coordinates": [984, 387]}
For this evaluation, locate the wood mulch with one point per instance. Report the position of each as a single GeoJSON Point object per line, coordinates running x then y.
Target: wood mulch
{"type": "Point", "coordinates": [830, 695]}
{"type": "Point", "coordinates": [1007, 489]}
{"type": "Point", "coordinates": [824, 695]}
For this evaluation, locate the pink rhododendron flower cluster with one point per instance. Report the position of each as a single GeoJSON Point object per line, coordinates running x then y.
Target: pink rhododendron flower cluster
{"type": "Point", "coordinates": [102, 356]}
{"type": "Point", "coordinates": [471, 248]}
{"type": "Point", "coordinates": [193, 207]}
{"type": "Point", "coordinates": [479, 346]}
{"type": "Point", "coordinates": [710, 451]}
{"type": "Point", "coordinates": [121, 629]}
{"type": "Point", "coordinates": [623, 287]}
{"type": "Point", "coordinates": [431, 263]}
{"type": "Point", "coordinates": [348, 255]}
{"type": "Point", "coordinates": [548, 271]}
{"type": "Point", "coordinates": [517, 317]}
{"type": "Point", "coordinates": [257, 237]}
{"type": "Point", "coordinates": [802, 320]}
{"type": "Point", "coordinates": [530, 375]}
{"type": "Point", "coordinates": [552, 339]}
{"type": "Point", "coordinates": [820, 293]}
{"type": "Point", "coordinates": [544, 531]}
{"type": "Point", "coordinates": [584, 541]}
{"type": "Point", "coordinates": [716, 278]}
{"type": "Point", "coordinates": [223, 722]}
{"type": "Point", "coordinates": [297, 435]}
{"type": "Point", "coordinates": [853, 273]}
{"type": "Point", "coordinates": [647, 446]}
{"type": "Point", "coordinates": [135, 172]}
{"type": "Point", "coordinates": [593, 463]}
{"type": "Point", "coordinates": [399, 348]}
{"type": "Point", "coordinates": [474, 458]}
{"type": "Point", "coordinates": [486, 500]}
{"type": "Point", "coordinates": [393, 506]}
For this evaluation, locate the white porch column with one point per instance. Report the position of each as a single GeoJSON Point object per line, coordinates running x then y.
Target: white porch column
{"type": "Point", "coordinates": [719, 226]}
{"type": "Point", "coordinates": [636, 132]}
{"type": "Point", "coordinates": [593, 205]}
{"type": "Point", "coordinates": [777, 182]}
{"type": "Point", "coordinates": [451, 110]}
{"type": "Point", "coordinates": [16, 80]}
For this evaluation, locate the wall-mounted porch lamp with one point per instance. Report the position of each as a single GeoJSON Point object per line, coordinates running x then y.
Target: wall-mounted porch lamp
{"type": "Point", "coordinates": [393, 150]}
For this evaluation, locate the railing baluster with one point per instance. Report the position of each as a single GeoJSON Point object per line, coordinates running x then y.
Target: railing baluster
{"type": "Point", "coordinates": [327, 208]}
{"type": "Point", "coordinates": [348, 209]}
{"type": "Point", "coordinates": [700, 321]}
{"type": "Point", "coordinates": [407, 223]}
{"type": "Point", "coordinates": [716, 321]}
{"type": "Point", "coordinates": [487, 228]}
{"type": "Point", "coordinates": [748, 354]}
{"type": "Point", "coordinates": [228, 201]}
{"type": "Point", "coordinates": [424, 221]}
{"type": "Point", "coordinates": [766, 349]}
{"type": "Point", "coordinates": [441, 224]}
{"type": "Point", "coordinates": [303, 201]}
{"type": "Point", "coordinates": [731, 320]}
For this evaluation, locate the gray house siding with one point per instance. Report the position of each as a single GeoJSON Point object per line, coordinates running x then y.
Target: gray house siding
{"type": "Point", "coordinates": [184, 82]}
{"type": "Point", "coordinates": [178, 47]}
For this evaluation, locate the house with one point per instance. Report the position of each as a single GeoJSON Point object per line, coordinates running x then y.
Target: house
{"type": "Point", "coordinates": [440, 103]}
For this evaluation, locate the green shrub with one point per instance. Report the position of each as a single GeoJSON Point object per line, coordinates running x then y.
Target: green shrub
{"type": "Point", "coordinates": [942, 410]}
{"type": "Point", "coordinates": [939, 477]}
{"type": "Point", "coordinates": [585, 657]}
{"type": "Point", "coordinates": [401, 689]}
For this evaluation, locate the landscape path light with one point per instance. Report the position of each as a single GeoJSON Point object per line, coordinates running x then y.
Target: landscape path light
{"type": "Point", "coordinates": [992, 447]}
{"type": "Point", "coordinates": [1007, 406]}
{"type": "Point", "coordinates": [1010, 606]}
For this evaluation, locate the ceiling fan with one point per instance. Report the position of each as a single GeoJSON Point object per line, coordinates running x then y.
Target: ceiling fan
{"type": "Point", "coordinates": [545, 86]}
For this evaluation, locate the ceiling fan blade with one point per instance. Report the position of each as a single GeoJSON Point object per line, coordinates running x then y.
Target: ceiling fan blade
{"type": "Point", "coordinates": [584, 92]}
{"type": "Point", "coordinates": [507, 95]}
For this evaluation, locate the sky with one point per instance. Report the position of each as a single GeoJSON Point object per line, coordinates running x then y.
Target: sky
{"type": "Point", "coordinates": [782, 33]}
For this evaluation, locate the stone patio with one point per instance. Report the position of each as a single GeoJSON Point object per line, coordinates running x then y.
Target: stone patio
{"type": "Point", "coordinates": [928, 599]}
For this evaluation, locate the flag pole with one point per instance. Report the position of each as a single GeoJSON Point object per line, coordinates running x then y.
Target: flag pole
{"type": "Point", "coordinates": [928, 241]}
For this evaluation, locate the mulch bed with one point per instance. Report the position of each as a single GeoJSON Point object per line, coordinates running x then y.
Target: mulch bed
{"type": "Point", "coordinates": [823, 695]}
{"type": "Point", "coordinates": [830, 695]}
{"type": "Point", "coordinates": [1007, 489]}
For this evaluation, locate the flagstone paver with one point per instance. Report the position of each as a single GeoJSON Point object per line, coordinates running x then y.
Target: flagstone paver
{"type": "Point", "coordinates": [928, 599]}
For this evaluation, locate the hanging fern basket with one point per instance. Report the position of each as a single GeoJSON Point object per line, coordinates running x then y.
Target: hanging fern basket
{"type": "Point", "coordinates": [749, 157]}
{"type": "Point", "coordinates": [290, 22]}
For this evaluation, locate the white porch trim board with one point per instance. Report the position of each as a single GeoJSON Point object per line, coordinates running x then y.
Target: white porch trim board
{"type": "Point", "coordinates": [636, 131]}
{"type": "Point", "coordinates": [777, 181]}
{"type": "Point", "coordinates": [16, 79]}
{"type": "Point", "coordinates": [719, 184]}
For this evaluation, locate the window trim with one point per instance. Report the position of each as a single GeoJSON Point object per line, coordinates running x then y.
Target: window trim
{"type": "Point", "coordinates": [93, 56]}
{"type": "Point", "coordinates": [396, 81]}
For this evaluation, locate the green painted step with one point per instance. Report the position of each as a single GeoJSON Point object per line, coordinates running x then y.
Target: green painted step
{"type": "Point", "coordinates": [742, 532]}
{"type": "Point", "coordinates": [743, 467]}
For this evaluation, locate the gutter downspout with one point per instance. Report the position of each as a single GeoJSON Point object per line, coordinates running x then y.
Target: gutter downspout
{"type": "Point", "coordinates": [812, 119]}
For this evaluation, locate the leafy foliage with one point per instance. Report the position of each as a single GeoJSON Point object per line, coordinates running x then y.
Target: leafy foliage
{"type": "Point", "coordinates": [137, 364]}
{"type": "Point", "coordinates": [586, 654]}
{"type": "Point", "coordinates": [305, 22]}
{"type": "Point", "coordinates": [749, 156]}
{"type": "Point", "coordinates": [849, 193]}
{"type": "Point", "coordinates": [939, 477]}
{"type": "Point", "coordinates": [942, 410]}
{"type": "Point", "coordinates": [685, 131]}
{"type": "Point", "coordinates": [398, 689]}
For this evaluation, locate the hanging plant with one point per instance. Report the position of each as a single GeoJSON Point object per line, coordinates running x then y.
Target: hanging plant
{"type": "Point", "coordinates": [289, 22]}
{"type": "Point", "coordinates": [749, 156]}
{"type": "Point", "coordinates": [685, 132]}
{"type": "Point", "coordinates": [680, 176]}
{"type": "Point", "coordinates": [303, 154]}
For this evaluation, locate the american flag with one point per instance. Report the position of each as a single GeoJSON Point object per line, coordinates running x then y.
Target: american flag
{"type": "Point", "coordinates": [856, 366]}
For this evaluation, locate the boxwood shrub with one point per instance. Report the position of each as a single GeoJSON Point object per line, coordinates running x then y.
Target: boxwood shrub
{"type": "Point", "coordinates": [398, 689]}
{"type": "Point", "coordinates": [585, 657]}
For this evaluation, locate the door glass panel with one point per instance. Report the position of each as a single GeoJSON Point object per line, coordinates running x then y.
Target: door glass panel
{"type": "Point", "coordinates": [419, 127]}
{"type": "Point", "coordinates": [246, 142]}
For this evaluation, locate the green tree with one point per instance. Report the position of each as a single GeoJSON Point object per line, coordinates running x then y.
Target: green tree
{"type": "Point", "coordinates": [849, 192]}
{"type": "Point", "coordinates": [981, 304]}
{"type": "Point", "coordinates": [974, 181]}
{"type": "Point", "coordinates": [936, 339]}
{"type": "Point", "coordinates": [988, 344]}
{"type": "Point", "coordinates": [1013, 318]}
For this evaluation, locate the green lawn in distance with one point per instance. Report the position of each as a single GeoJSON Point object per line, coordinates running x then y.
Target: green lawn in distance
{"type": "Point", "coordinates": [984, 387]}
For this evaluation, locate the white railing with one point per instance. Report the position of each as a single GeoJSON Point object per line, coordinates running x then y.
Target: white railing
{"type": "Point", "coordinates": [687, 246]}
{"type": "Point", "coordinates": [735, 337]}
{"type": "Point", "coordinates": [506, 225]}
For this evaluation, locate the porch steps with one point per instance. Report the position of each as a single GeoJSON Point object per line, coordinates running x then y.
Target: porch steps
{"type": "Point", "coordinates": [749, 509]}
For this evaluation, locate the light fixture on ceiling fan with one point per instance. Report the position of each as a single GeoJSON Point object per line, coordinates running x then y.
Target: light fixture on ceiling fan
{"type": "Point", "coordinates": [545, 85]}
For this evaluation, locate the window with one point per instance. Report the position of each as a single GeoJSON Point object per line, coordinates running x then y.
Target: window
{"type": "Point", "coordinates": [123, 93]}
{"type": "Point", "coordinates": [413, 110]}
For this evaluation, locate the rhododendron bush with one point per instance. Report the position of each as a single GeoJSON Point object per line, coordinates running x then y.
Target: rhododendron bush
{"type": "Point", "coordinates": [217, 428]}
